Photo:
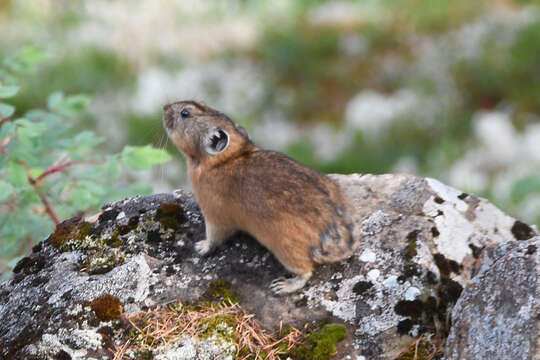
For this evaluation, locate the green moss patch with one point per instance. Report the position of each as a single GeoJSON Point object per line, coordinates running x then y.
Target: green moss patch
{"type": "Point", "coordinates": [221, 326]}
{"type": "Point", "coordinates": [102, 253]}
{"type": "Point", "coordinates": [170, 215]}
{"type": "Point", "coordinates": [103, 262]}
{"type": "Point", "coordinates": [410, 250]}
{"type": "Point", "coordinates": [221, 291]}
{"type": "Point", "coordinates": [321, 344]}
{"type": "Point", "coordinates": [70, 232]}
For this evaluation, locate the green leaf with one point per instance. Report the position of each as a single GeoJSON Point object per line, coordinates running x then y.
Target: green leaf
{"type": "Point", "coordinates": [87, 139]}
{"type": "Point", "coordinates": [8, 91]}
{"type": "Point", "coordinates": [112, 168]}
{"type": "Point", "coordinates": [25, 60]}
{"type": "Point", "coordinates": [55, 99]}
{"type": "Point", "coordinates": [16, 174]}
{"type": "Point", "coordinates": [5, 190]}
{"type": "Point", "coordinates": [31, 54]}
{"type": "Point", "coordinates": [70, 105]}
{"type": "Point", "coordinates": [92, 187]}
{"type": "Point", "coordinates": [81, 198]}
{"type": "Point", "coordinates": [30, 129]}
{"type": "Point", "coordinates": [35, 172]}
{"type": "Point", "coordinates": [6, 129]}
{"type": "Point", "coordinates": [144, 157]}
{"type": "Point", "coordinates": [47, 117]}
{"type": "Point", "coordinates": [6, 110]}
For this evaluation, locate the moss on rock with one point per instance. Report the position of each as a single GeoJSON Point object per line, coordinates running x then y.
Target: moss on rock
{"type": "Point", "coordinates": [220, 326]}
{"type": "Point", "coordinates": [170, 215]}
{"type": "Point", "coordinates": [221, 291]}
{"type": "Point", "coordinates": [107, 307]}
{"type": "Point", "coordinates": [321, 344]}
{"type": "Point", "coordinates": [70, 232]}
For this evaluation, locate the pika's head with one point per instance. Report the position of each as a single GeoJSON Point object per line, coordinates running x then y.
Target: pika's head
{"type": "Point", "coordinates": [201, 132]}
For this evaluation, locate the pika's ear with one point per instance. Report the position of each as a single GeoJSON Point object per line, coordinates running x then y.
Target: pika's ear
{"type": "Point", "coordinates": [242, 131]}
{"type": "Point", "coordinates": [216, 141]}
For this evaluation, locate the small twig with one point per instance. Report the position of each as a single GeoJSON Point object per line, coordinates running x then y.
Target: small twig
{"type": "Point", "coordinates": [29, 242]}
{"type": "Point", "coordinates": [119, 355]}
{"type": "Point", "coordinates": [6, 141]}
{"type": "Point", "coordinates": [416, 349]}
{"type": "Point", "coordinates": [44, 201]}
{"type": "Point", "coordinates": [48, 208]}
{"type": "Point", "coordinates": [56, 168]}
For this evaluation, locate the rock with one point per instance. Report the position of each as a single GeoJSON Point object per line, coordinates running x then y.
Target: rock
{"type": "Point", "coordinates": [497, 315]}
{"type": "Point", "coordinates": [420, 240]}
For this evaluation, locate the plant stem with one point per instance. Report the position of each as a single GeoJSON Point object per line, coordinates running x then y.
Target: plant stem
{"type": "Point", "coordinates": [48, 207]}
{"type": "Point", "coordinates": [44, 201]}
{"type": "Point", "coordinates": [55, 168]}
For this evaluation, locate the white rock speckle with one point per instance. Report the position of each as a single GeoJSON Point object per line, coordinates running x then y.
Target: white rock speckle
{"type": "Point", "coordinates": [373, 275]}
{"type": "Point", "coordinates": [368, 256]}
{"type": "Point", "coordinates": [412, 293]}
{"type": "Point", "coordinates": [390, 282]}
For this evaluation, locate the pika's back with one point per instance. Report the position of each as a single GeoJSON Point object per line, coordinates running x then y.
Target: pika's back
{"type": "Point", "coordinates": [272, 182]}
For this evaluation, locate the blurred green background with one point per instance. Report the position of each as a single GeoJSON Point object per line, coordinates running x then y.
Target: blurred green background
{"type": "Point", "coordinates": [442, 88]}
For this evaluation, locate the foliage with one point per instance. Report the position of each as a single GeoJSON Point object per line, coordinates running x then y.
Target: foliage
{"type": "Point", "coordinates": [505, 71]}
{"type": "Point", "coordinates": [49, 172]}
{"type": "Point", "coordinates": [89, 70]}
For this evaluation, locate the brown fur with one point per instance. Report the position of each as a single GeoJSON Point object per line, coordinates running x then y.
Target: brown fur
{"type": "Point", "coordinates": [300, 215]}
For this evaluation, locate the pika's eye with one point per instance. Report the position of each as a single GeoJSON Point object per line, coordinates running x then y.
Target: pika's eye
{"type": "Point", "coordinates": [185, 113]}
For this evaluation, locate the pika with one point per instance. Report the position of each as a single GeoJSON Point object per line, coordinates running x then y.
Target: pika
{"type": "Point", "coordinates": [297, 213]}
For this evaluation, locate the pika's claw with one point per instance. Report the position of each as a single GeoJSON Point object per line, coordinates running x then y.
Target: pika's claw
{"type": "Point", "coordinates": [282, 286]}
{"type": "Point", "coordinates": [277, 281]}
{"type": "Point", "coordinates": [203, 247]}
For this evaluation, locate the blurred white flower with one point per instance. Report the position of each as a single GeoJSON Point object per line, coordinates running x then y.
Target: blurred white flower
{"type": "Point", "coordinates": [372, 112]}
{"type": "Point", "coordinates": [346, 13]}
{"type": "Point", "coordinates": [234, 88]}
{"type": "Point", "coordinates": [328, 142]}
{"type": "Point", "coordinates": [531, 142]}
{"type": "Point", "coordinates": [334, 12]}
{"type": "Point", "coordinates": [530, 207]}
{"type": "Point", "coordinates": [497, 148]}
{"type": "Point", "coordinates": [466, 174]}
{"type": "Point", "coordinates": [497, 136]}
{"type": "Point", "coordinates": [504, 180]}
{"type": "Point", "coordinates": [353, 45]}
{"type": "Point", "coordinates": [186, 30]}
{"type": "Point", "coordinates": [502, 157]}
{"type": "Point", "coordinates": [273, 131]}
{"type": "Point", "coordinates": [406, 165]}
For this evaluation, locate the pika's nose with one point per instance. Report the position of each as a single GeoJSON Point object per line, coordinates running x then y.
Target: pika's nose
{"type": "Point", "coordinates": [166, 107]}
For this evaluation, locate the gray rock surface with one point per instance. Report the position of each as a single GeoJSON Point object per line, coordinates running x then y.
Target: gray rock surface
{"type": "Point", "coordinates": [497, 315]}
{"type": "Point", "coordinates": [419, 238]}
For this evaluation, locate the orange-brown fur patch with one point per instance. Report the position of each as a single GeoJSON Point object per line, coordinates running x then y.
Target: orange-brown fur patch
{"type": "Point", "coordinates": [288, 207]}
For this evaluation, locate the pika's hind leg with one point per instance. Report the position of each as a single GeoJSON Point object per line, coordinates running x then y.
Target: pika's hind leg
{"type": "Point", "coordinates": [215, 235]}
{"type": "Point", "coordinates": [336, 244]}
{"type": "Point", "coordinates": [284, 286]}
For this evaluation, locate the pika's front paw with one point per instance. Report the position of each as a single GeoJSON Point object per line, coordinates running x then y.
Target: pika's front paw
{"type": "Point", "coordinates": [203, 247]}
{"type": "Point", "coordinates": [282, 286]}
